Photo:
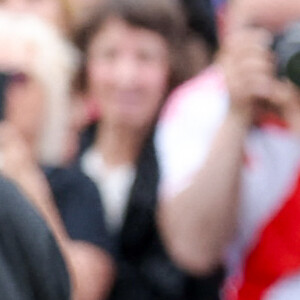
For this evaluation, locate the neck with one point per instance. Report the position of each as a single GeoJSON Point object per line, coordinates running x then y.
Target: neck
{"type": "Point", "coordinates": [119, 145]}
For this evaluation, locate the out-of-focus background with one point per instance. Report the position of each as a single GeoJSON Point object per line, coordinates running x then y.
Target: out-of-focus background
{"type": "Point", "coordinates": [83, 85]}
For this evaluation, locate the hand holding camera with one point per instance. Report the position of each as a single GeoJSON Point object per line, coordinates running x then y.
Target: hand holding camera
{"type": "Point", "coordinates": [249, 69]}
{"type": "Point", "coordinates": [262, 71]}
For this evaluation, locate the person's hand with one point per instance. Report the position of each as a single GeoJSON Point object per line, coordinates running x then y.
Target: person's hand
{"type": "Point", "coordinates": [286, 96]}
{"type": "Point", "coordinates": [248, 66]}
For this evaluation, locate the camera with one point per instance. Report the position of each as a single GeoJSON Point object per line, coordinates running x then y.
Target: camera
{"type": "Point", "coordinates": [287, 50]}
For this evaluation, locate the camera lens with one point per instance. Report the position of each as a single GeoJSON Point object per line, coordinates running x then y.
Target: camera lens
{"type": "Point", "coordinates": [287, 50]}
{"type": "Point", "coordinates": [293, 69]}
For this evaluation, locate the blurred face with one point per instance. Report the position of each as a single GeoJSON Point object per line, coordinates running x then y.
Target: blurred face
{"type": "Point", "coordinates": [50, 10]}
{"type": "Point", "coordinates": [128, 73]}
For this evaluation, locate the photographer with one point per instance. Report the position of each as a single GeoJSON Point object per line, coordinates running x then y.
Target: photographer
{"type": "Point", "coordinates": [230, 153]}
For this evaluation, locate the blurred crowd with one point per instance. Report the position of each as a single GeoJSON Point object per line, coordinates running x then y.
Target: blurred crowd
{"type": "Point", "coordinates": [149, 149]}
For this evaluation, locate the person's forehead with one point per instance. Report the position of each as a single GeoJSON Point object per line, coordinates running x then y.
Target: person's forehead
{"type": "Point", "coordinates": [273, 14]}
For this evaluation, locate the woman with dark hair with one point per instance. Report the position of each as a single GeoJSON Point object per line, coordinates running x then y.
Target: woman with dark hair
{"type": "Point", "coordinates": [201, 17]}
{"type": "Point", "coordinates": [134, 55]}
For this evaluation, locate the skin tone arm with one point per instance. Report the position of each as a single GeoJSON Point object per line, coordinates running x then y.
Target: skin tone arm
{"type": "Point", "coordinates": [91, 269]}
{"type": "Point", "coordinates": [197, 223]}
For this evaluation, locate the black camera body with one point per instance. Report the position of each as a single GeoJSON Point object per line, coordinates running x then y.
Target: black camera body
{"type": "Point", "coordinates": [287, 50]}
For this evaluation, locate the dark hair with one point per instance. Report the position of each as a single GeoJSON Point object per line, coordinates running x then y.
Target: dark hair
{"type": "Point", "coordinates": [202, 19]}
{"type": "Point", "coordinates": [166, 17]}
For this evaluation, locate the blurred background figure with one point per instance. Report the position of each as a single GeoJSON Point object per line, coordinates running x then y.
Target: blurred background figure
{"type": "Point", "coordinates": [84, 9]}
{"type": "Point", "coordinates": [201, 18]}
{"type": "Point", "coordinates": [67, 16]}
{"type": "Point", "coordinates": [202, 42]}
{"type": "Point", "coordinates": [39, 64]}
{"type": "Point", "coordinates": [219, 8]}
{"type": "Point", "coordinates": [42, 67]}
{"type": "Point", "coordinates": [57, 12]}
{"type": "Point", "coordinates": [134, 56]}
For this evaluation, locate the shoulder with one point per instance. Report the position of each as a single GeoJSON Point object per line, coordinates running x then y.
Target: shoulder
{"type": "Point", "coordinates": [187, 126]}
{"type": "Point", "coordinates": [73, 191]}
{"type": "Point", "coordinates": [79, 203]}
{"type": "Point", "coordinates": [70, 180]}
{"type": "Point", "coordinates": [20, 217]}
{"type": "Point", "coordinates": [205, 89]}
{"type": "Point", "coordinates": [14, 206]}
{"type": "Point", "coordinates": [66, 176]}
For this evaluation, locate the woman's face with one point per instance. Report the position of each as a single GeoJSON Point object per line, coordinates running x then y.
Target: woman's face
{"type": "Point", "coordinates": [49, 10]}
{"type": "Point", "coordinates": [128, 73]}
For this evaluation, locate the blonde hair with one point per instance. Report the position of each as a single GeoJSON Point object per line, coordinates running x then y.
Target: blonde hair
{"type": "Point", "coordinates": [53, 61]}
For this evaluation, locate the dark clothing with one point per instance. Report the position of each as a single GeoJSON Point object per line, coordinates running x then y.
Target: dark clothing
{"type": "Point", "coordinates": [79, 204]}
{"type": "Point", "coordinates": [31, 265]}
{"type": "Point", "coordinates": [201, 18]}
{"type": "Point", "coordinates": [145, 271]}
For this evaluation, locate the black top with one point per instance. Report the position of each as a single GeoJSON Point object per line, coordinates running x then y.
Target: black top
{"type": "Point", "coordinates": [31, 265]}
{"type": "Point", "coordinates": [145, 270]}
{"type": "Point", "coordinates": [79, 204]}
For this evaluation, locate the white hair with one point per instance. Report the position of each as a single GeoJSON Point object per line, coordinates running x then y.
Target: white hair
{"type": "Point", "coordinates": [53, 61]}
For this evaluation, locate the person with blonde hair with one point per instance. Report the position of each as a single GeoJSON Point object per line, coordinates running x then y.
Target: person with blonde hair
{"type": "Point", "coordinates": [62, 14]}
{"type": "Point", "coordinates": [39, 53]}
{"type": "Point", "coordinates": [39, 65]}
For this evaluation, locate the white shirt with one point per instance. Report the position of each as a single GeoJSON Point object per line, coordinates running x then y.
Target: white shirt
{"type": "Point", "coordinates": [114, 185]}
